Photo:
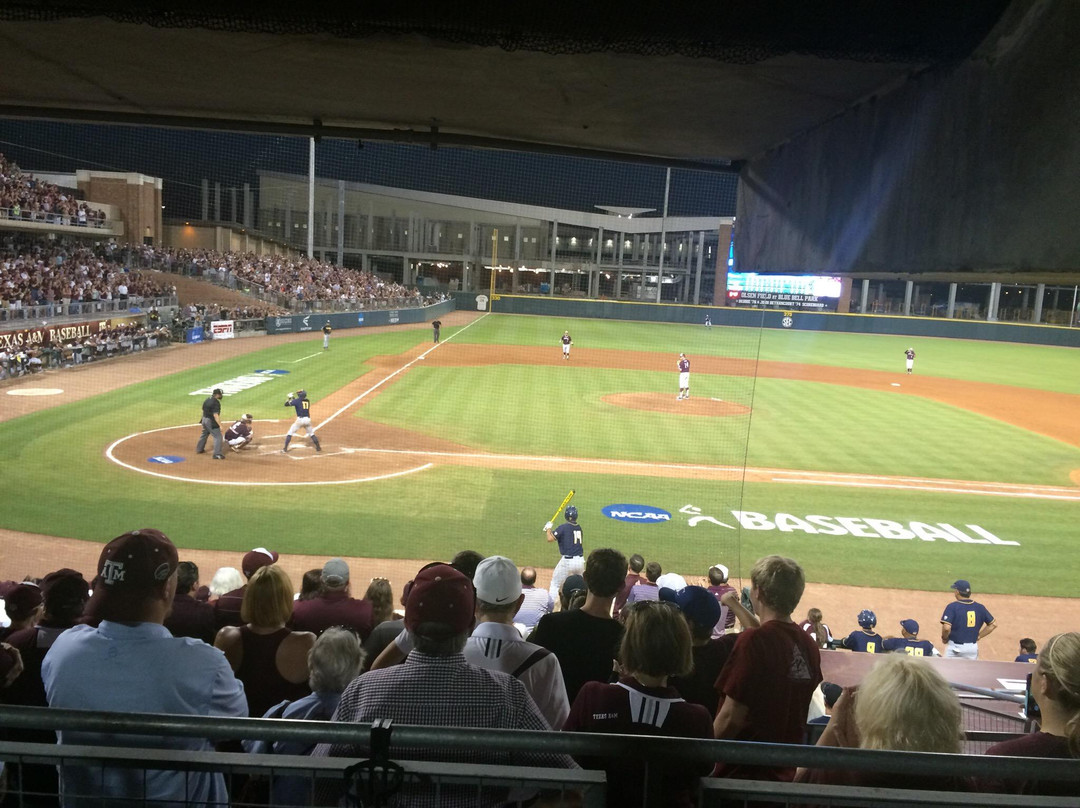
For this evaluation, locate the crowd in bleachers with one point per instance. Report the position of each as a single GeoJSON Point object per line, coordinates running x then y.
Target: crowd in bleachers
{"type": "Point", "coordinates": [294, 278]}
{"type": "Point", "coordinates": [52, 274]}
{"type": "Point", "coordinates": [105, 344]}
{"type": "Point", "coordinates": [478, 644]}
{"type": "Point", "coordinates": [24, 197]}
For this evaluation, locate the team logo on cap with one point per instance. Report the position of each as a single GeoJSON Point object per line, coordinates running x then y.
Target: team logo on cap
{"type": "Point", "coordinates": [112, 572]}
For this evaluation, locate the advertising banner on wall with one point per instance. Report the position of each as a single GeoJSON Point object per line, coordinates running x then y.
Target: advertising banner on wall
{"type": "Point", "coordinates": [222, 329]}
{"type": "Point", "coordinates": [62, 334]}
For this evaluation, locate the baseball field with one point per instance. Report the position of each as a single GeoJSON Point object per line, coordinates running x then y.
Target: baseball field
{"type": "Point", "coordinates": [813, 445]}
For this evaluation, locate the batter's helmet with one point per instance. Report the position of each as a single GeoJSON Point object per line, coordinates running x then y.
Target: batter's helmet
{"type": "Point", "coordinates": [301, 393]}
{"type": "Point", "coordinates": [867, 619]}
{"type": "Point", "coordinates": [570, 513]}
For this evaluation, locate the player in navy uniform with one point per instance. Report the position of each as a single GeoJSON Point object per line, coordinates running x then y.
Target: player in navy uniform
{"type": "Point", "coordinates": [865, 639]}
{"type": "Point", "coordinates": [568, 535]}
{"type": "Point", "coordinates": [239, 434]}
{"type": "Point", "coordinates": [299, 402]}
{"type": "Point", "coordinates": [910, 643]}
{"type": "Point", "coordinates": [566, 343]}
{"type": "Point", "coordinates": [684, 378]}
{"type": "Point", "coordinates": [435, 326]}
{"type": "Point", "coordinates": [909, 356]}
{"type": "Point", "coordinates": [964, 623]}
{"type": "Point", "coordinates": [1028, 651]}
{"type": "Point", "coordinates": [211, 409]}
{"type": "Point", "coordinates": [326, 329]}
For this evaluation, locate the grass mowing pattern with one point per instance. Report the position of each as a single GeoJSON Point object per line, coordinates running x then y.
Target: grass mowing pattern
{"type": "Point", "coordinates": [58, 482]}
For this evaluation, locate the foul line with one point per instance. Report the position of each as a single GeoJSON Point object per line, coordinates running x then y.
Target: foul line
{"type": "Point", "coordinates": [401, 369]}
{"type": "Point", "coordinates": [302, 358]}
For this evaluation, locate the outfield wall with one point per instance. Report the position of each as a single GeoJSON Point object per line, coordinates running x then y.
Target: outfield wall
{"type": "Point", "coordinates": [771, 318]}
{"type": "Point", "coordinates": [296, 323]}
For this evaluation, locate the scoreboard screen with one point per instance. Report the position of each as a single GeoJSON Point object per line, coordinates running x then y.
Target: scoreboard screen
{"type": "Point", "coordinates": [796, 292]}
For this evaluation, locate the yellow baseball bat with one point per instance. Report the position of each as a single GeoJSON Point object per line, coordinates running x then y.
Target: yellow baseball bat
{"type": "Point", "coordinates": [558, 510]}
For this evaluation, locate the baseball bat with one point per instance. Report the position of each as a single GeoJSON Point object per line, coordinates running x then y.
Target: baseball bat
{"type": "Point", "coordinates": [558, 510]}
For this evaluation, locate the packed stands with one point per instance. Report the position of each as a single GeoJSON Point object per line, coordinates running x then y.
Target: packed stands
{"type": "Point", "coordinates": [23, 197]}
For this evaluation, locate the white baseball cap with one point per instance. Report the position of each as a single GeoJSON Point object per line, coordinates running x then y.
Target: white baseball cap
{"type": "Point", "coordinates": [497, 581]}
{"type": "Point", "coordinates": [722, 568]}
{"type": "Point", "coordinates": [671, 580]}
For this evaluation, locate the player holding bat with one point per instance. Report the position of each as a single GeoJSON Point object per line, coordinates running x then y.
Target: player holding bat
{"type": "Point", "coordinates": [568, 535]}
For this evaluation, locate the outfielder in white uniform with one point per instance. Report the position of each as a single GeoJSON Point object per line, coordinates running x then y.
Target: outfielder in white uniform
{"type": "Point", "coordinates": [299, 402]}
{"type": "Point", "coordinates": [568, 535]}
{"type": "Point", "coordinates": [566, 343]}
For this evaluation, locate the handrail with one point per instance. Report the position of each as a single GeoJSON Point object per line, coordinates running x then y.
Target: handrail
{"type": "Point", "coordinates": [583, 744]}
{"type": "Point", "coordinates": [53, 218]}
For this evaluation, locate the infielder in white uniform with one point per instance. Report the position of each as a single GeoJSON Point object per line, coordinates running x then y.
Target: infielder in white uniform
{"type": "Point", "coordinates": [566, 343]}
{"type": "Point", "coordinates": [684, 378]}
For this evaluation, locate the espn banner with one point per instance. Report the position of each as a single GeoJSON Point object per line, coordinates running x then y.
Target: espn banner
{"type": "Point", "coordinates": [222, 329]}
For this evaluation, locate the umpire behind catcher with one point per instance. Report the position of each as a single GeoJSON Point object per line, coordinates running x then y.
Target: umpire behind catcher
{"type": "Point", "coordinates": [211, 409]}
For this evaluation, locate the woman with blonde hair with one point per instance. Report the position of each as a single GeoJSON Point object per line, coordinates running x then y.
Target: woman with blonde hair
{"type": "Point", "coordinates": [903, 704]}
{"type": "Point", "coordinates": [270, 659]}
{"type": "Point", "coordinates": [1055, 687]}
{"type": "Point", "coordinates": [655, 645]}
{"type": "Point", "coordinates": [381, 597]}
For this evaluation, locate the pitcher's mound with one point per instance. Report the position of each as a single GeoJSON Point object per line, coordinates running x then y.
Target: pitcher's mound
{"type": "Point", "coordinates": [665, 402]}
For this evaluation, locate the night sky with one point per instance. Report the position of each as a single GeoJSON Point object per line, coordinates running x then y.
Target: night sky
{"type": "Point", "coordinates": [182, 158]}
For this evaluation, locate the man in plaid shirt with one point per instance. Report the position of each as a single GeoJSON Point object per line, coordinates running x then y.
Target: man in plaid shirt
{"type": "Point", "coordinates": [436, 686]}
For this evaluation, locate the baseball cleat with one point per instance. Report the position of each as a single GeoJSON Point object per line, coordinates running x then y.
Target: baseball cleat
{"type": "Point", "coordinates": [219, 457]}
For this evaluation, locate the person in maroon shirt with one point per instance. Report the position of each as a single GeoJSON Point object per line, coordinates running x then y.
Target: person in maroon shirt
{"type": "Point", "coordinates": [227, 607]}
{"type": "Point", "coordinates": [1055, 687]}
{"type": "Point", "coordinates": [768, 681]}
{"type": "Point", "coordinates": [190, 617]}
{"type": "Point", "coordinates": [334, 605]}
{"type": "Point", "coordinates": [655, 646]}
{"type": "Point", "coordinates": [637, 564]}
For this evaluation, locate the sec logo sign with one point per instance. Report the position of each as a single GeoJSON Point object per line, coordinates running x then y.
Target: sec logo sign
{"type": "Point", "coordinates": [637, 514]}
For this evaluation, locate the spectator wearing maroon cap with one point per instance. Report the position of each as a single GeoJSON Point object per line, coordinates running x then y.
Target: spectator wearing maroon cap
{"type": "Point", "coordinates": [24, 605]}
{"type": "Point", "coordinates": [768, 681]}
{"type": "Point", "coordinates": [190, 617]}
{"type": "Point", "coordinates": [268, 657]}
{"type": "Point", "coordinates": [227, 606]}
{"type": "Point", "coordinates": [655, 646]}
{"type": "Point", "coordinates": [334, 605]}
{"type": "Point", "coordinates": [633, 577]}
{"type": "Point", "coordinates": [130, 663]}
{"type": "Point", "coordinates": [436, 686]}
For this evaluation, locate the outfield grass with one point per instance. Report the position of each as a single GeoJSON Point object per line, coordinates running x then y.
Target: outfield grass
{"type": "Point", "coordinates": [57, 481]}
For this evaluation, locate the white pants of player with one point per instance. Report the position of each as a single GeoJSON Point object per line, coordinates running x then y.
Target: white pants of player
{"type": "Point", "coordinates": [240, 441]}
{"type": "Point", "coordinates": [910, 363]}
{"type": "Point", "coordinates": [684, 382]}
{"type": "Point", "coordinates": [301, 423]}
{"type": "Point", "coordinates": [566, 350]}
{"type": "Point", "coordinates": [563, 570]}
{"type": "Point", "coordinates": [964, 650]}
{"type": "Point", "coordinates": [326, 340]}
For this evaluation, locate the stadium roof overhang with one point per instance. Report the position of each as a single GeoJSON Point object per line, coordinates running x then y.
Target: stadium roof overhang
{"type": "Point", "coordinates": [712, 82]}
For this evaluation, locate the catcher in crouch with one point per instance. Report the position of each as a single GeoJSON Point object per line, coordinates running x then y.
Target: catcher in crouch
{"type": "Point", "coordinates": [240, 433]}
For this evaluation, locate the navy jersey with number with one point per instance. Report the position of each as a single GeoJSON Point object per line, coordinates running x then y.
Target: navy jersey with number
{"type": "Point", "coordinates": [684, 365]}
{"type": "Point", "coordinates": [967, 617]}
{"type": "Point", "coordinates": [867, 642]}
{"type": "Point", "coordinates": [909, 647]}
{"type": "Point", "coordinates": [301, 405]}
{"type": "Point", "coordinates": [909, 354]}
{"type": "Point", "coordinates": [566, 339]}
{"type": "Point", "coordinates": [568, 535]}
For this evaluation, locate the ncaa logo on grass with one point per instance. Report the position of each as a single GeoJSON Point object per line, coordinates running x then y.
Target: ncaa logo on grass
{"type": "Point", "coordinates": [637, 514]}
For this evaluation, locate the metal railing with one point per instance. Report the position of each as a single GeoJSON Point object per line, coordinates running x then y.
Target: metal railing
{"type": "Point", "coordinates": [21, 214]}
{"type": "Point", "coordinates": [32, 315]}
{"type": "Point", "coordinates": [650, 751]}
